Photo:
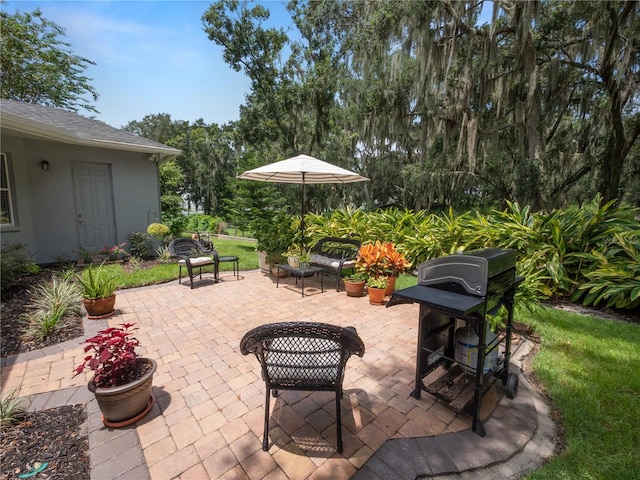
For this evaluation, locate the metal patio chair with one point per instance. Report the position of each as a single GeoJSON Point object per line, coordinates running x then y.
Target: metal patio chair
{"type": "Point", "coordinates": [302, 356]}
{"type": "Point", "coordinates": [193, 256]}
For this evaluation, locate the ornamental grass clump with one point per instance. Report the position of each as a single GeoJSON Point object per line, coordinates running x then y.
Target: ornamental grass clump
{"type": "Point", "coordinates": [53, 303]}
{"type": "Point", "coordinates": [12, 409]}
{"type": "Point", "coordinates": [114, 357]}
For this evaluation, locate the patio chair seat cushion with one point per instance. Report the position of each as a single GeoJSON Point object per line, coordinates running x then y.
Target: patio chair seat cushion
{"type": "Point", "coordinates": [197, 261]}
{"type": "Point", "coordinates": [331, 262]}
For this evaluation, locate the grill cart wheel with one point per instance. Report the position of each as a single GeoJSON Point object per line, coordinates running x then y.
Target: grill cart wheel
{"type": "Point", "coordinates": [512, 385]}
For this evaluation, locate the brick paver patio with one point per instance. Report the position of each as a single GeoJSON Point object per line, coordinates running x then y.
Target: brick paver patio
{"type": "Point", "coordinates": [207, 419]}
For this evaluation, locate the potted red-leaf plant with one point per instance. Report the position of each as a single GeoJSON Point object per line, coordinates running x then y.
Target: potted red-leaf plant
{"type": "Point", "coordinates": [122, 381]}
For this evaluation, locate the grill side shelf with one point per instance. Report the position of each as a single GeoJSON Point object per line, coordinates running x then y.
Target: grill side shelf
{"type": "Point", "coordinates": [451, 303]}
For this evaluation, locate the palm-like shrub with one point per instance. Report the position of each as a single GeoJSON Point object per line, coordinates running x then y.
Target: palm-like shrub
{"type": "Point", "coordinates": [589, 251]}
{"type": "Point", "coordinates": [614, 278]}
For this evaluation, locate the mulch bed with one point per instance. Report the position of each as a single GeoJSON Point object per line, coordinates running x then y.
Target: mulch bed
{"type": "Point", "coordinates": [56, 436]}
{"type": "Point", "coordinates": [14, 301]}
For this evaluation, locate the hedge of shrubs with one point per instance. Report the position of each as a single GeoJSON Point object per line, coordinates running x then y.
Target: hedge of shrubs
{"type": "Point", "coordinates": [590, 253]}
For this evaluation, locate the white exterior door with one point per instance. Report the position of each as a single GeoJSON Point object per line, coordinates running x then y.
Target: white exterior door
{"type": "Point", "coordinates": [94, 205]}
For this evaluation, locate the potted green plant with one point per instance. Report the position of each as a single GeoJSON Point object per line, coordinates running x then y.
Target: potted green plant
{"type": "Point", "coordinates": [354, 283]}
{"type": "Point", "coordinates": [122, 381]}
{"type": "Point", "coordinates": [98, 292]}
{"type": "Point", "coordinates": [274, 259]}
{"type": "Point", "coordinates": [275, 236]}
{"type": "Point", "coordinates": [293, 256]}
{"type": "Point", "coordinates": [158, 233]}
{"type": "Point", "coordinates": [376, 287]}
{"type": "Point", "coordinates": [305, 258]}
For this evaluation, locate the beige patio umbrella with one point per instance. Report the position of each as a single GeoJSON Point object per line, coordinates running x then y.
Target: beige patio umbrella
{"type": "Point", "coordinates": [305, 170]}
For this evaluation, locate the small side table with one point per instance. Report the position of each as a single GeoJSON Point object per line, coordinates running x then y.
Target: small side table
{"type": "Point", "coordinates": [302, 273]}
{"type": "Point", "coordinates": [236, 265]}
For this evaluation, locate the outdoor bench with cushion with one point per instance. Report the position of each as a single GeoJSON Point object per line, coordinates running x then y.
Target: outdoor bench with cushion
{"type": "Point", "coordinates": [334, 255]}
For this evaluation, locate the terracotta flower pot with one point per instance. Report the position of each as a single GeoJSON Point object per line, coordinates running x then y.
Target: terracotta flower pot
{"type": "Point", "coordinates": [376, 296]}
{"type": "Point", "coordinates": [391, 286]}
{"type": "Point", "coordinates": [293, 261]}
{"type": "Point", "coordinates": [126, 404]}
{"type": "Point", "coordinates": [354, 289]}
{"type": "Point", "coordinates": [100, 307]}
{"type": "Point", "coordinates": [278, 272]}
{"type": "Point", "coordinates": [262, 261]}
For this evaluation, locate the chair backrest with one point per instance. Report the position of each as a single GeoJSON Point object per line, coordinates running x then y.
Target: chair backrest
{"type": "Point", "coordinates": [338, 248]}
{"type": "Point", "coordinates": [302, 355]}
{"type": "Point", "coordinates": [186, 247]}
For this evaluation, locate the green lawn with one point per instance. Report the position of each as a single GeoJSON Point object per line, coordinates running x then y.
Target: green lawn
{"type": "Point", "coordinates": [244, 250]}
{"type": "Point", "coordinates": [590, 368]}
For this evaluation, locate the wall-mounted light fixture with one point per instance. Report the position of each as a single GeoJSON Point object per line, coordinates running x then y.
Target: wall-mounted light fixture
{"type": "Point", "coordinates": [153, 157]}
{"type": "Point", "coordinates": [44, 164]}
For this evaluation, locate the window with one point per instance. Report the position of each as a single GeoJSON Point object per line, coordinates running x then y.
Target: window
{"type": "Point", "coordinates": [6, 204]}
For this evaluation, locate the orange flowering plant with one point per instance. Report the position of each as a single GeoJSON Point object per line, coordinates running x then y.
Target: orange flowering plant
{"type": "Point", "coordinates": [381, 260]}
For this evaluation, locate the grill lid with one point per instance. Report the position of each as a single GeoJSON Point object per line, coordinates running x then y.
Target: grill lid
{"type": "Point", "coordinates": [471, 270]}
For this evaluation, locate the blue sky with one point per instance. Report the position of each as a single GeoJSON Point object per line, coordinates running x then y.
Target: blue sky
{"type": "Point", "coordinates": [151, 57]}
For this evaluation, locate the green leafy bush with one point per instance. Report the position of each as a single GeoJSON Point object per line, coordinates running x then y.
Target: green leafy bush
{"type": "Point", "coordinates": [275, 235]}
{"type": "Point", "coordinates": [176, 223]}
{"type": "Point", "coordinates": [588, 252]}
{"type": "Point", "coordinates": [202, 223]}
{"type": "Point", "coordinates": [140, 244]}
{"type": "Point", "coordinates": [614, 273]}
{"type": "Point", "coordinates": [14, 262]}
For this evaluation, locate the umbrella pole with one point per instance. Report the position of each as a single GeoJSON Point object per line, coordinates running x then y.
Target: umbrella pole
{"type": "Point", "coordinates": [302, 217]}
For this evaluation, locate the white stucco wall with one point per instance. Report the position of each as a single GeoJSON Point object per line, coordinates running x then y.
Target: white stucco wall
{"type": "Point", "coordinates": [46, 199]}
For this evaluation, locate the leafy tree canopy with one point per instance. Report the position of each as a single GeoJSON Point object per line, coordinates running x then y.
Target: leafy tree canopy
{"type": "Point", "coordinates": [38, 66]}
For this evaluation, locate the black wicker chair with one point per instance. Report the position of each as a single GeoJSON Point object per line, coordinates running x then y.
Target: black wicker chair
{"type": "Point", "coordinates": [302, 356]}
{"type": "Point", "coordinates": [192, 255]}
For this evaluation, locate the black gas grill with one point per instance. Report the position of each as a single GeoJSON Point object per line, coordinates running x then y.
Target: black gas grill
{"type": "Point", "coordinates": [458, 291]}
